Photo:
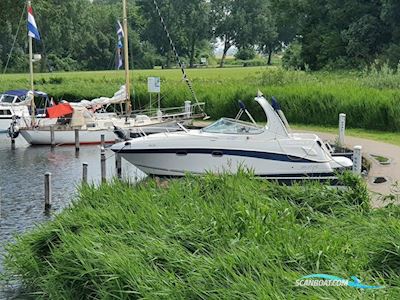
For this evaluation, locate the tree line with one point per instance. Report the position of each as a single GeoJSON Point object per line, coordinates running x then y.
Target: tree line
{"type": "Point", "coordinates": [314, 34]}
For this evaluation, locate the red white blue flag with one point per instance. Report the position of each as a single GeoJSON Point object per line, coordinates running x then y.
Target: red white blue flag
{"type": "Point", "coordinates": [33, 31]}
{"type": "Point", "coordinates": [120, 34]}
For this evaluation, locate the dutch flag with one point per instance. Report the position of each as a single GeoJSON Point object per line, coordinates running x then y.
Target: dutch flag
{"type": "Point", "coordinates": [120, 34]}
{"type": "Point", "coordinates": [33, 31]}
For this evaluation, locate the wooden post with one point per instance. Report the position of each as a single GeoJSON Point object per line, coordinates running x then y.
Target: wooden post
{"type": "Point", "coordinates": [52, 136]}
{"type": "Point", "coordinates": [77, 143]}
{"type": "Point", "coordinates": [85, 173]}
{"type": "Point", "coordinates": [103, 165]}
{"type": "Point", "coordinates": [47, 192]}
{"type": "Point", "coordinates": [118, 165]}
{"type": "Point", "coordinates": [12, 128]}
{"type": "Point", "coordinates": [103, 141]}
{"type": "Point", "coordinates": [357, 160]}
{"type": "Point", "coordinates": [342, 129]}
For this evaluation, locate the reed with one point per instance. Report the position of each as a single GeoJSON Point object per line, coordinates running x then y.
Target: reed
{"type": "Point", "coordinates": [370, 98]}
{"type": "Point", "coordinates": [226, 237]}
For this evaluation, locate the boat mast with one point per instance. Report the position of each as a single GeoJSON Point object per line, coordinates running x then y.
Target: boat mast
{"type": "Point", "coordinates": [126, 59]}
{"type": "Point", "coordinates": [33, 108]}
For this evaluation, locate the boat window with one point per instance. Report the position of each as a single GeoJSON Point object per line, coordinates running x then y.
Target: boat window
{"type": "Point", "coordinates": [7, 99]}
{"type": "Point", "coordinates": [6, 112]}
{"type": "Point", "coordinates": [231, 126]}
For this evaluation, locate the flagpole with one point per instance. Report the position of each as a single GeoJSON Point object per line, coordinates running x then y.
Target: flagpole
{"type": "Point", "coordinates": [33, 108]}
{"type": "Point", "coordinates": [126, 59]}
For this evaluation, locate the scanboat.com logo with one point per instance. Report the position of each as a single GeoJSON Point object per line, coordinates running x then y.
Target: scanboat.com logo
{"type": "Point", "coordinates": [329, 280]}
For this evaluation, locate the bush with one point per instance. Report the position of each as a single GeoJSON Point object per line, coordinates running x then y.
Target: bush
{"type": "Point", "coordinates": [292, 57]}
{"type": "Point", "coordinates": [245, 54]}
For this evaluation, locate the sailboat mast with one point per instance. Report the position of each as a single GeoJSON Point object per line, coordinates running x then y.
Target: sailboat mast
{"type": "Point", "coordinates": [126, 59]}
{"type": "Point", "coordinates": [33, 108]}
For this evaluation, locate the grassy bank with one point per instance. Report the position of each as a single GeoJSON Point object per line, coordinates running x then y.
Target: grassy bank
{"type": "Point", "coordinates": [229, 237]}
{"type": "Point", "coordinates": [370, 99]}
{"type": "Point", "coordinates": [381, 136]}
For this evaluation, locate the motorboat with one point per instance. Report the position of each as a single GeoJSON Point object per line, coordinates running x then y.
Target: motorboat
{"type": "Point", "coordinates": [15, 105]}
{"type": "Point", "coordinates": [229, 145]}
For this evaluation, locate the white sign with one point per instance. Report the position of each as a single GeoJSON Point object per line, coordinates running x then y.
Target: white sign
{"type": "Point", "coordinates": [154, 84]}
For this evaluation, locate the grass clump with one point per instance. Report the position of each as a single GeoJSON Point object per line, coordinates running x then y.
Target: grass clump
{"type": "Point", "coordinates": [227, 237]}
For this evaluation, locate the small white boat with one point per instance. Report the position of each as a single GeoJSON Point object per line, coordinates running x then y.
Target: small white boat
{"type": "Point", "coordinates": [15, 106]}
{"type": "Point", "coordinates": [230, 144]}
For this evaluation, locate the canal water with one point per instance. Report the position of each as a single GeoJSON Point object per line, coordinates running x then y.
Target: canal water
{"type": "Point", "coordinates": [22, 183]}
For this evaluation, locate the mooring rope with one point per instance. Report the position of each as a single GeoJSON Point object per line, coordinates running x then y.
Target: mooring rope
{"type": "Point", "coordinates": [181, 65]}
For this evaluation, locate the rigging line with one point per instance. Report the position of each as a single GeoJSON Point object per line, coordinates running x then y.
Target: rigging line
{"type": "Point", "coordinates": [185, 77]}
{"type": "Point", "coordinates": [15, 40]}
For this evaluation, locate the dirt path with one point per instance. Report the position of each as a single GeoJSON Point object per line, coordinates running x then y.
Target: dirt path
{"type": "Point", "coordinates": [391, 171]}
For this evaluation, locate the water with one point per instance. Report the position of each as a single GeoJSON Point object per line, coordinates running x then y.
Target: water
{"type": "Point", "coordinates": [22, 183]}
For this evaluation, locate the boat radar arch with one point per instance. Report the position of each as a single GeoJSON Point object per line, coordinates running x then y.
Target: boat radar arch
{"type": "Point", "coordinates": [274, 122]}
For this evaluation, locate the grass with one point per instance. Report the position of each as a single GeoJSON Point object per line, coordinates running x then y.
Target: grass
{"type": "Point", "coordinates": [370, 98]}
{"type": "Point", "coordinates": [381, 136]}
{"type": "Point", "coordinates": [227, 237]}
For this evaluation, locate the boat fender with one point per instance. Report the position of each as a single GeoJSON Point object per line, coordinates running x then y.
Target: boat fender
{"type": "Point", "coordinates": [13, 131]}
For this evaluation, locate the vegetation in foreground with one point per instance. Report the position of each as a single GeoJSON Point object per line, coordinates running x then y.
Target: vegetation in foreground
{"type": "Point", "coordinates": [228, 237]}
{"type": "Point", "coordinates": [369, 98]}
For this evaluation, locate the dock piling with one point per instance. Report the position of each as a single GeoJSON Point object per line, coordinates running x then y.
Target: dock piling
{"type": "Point", "coordinates": [103, 164]}
{"type": "Point", "coordinates": [52, 137]}
{"type": "Point", "coordinates": [77, 143]}
{"type": "Point", "coordinates": [47, 192]}
{"type": "Point", "coordinates": [357, 160]}
{"type": "Point", "coordinates": [342, 129]}
{"type": "Point", "coordinates": [85, 173]}
{"type": "Point", "coordinates": [118, 165]}
{"type": "Point", "coordinates": [103, 140]}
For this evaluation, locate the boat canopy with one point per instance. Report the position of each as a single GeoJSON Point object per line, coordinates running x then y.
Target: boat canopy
{"type": "Point", "coordinates": [20, 97]}
{"type": "Point", "coordinates": [232, 126]}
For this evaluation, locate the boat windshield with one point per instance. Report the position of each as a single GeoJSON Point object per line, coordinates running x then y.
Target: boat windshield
{"type": "Point", "coordinates": [7, 98]}
{"type": "Point", "coordinates": [231, 126]}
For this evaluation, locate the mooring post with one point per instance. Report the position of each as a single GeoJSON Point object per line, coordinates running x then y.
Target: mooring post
{"type": "Point", "coordinates": [102, 140]}
{"type": "Point", "coordinates": [188, 108]}
{"type": "Point", "coordinates": [103, 164]}
{"type": "Point", "coordinates": [12, 133]}
{"type": "Point", "coordinates": [52, 137]}
{"type": "Point", "coordinates": [342, 129]}
{"type": "Point", "coordinates": [357, 160]}
{"type": "Point", "coordinates": [118, 165]}
{"type": "Point", "coordinates": [47, 191]}
{"type": "Point", "coordinates": [77, 143]}
{"type": "Point", "coordinates": [85, 173]}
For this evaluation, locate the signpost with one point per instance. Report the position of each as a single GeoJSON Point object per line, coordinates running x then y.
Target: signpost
{"type": "Point", "coordinates": [154, 87]}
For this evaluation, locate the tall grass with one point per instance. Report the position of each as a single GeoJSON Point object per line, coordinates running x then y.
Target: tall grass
{"type": "Point", "coordinates": [369, 98]}
{"type": "Point", "coordinates": [227, 237]}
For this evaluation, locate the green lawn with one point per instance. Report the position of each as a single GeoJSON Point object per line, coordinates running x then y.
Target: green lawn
{"type": "Point", "coordinates": [370, 100]}
{"type": "Point", "coordinates": [381, 136]}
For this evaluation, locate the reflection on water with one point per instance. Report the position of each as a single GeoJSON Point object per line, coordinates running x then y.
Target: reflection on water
{"type": "Point", "coordinates": [22, 182]}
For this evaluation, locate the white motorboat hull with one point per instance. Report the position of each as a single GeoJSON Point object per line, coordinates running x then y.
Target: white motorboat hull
{"type": "Point", "coordinates": [178, 162]}
{"type": "Point", "coordinates": [67, 137]}
{"type": "Point", "coordinates": [5, 124]}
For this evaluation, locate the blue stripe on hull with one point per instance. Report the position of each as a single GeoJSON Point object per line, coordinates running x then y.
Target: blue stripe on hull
{"type": "Point", "coordinates": [242, 153]}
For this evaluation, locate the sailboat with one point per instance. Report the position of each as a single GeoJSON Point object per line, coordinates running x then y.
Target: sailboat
{"type": "Point", "coordinates": [92, 125]}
